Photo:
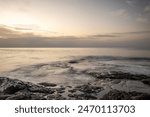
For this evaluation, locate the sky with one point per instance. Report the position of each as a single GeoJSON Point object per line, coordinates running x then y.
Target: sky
{"type": "Point", "coordinates": [75, 23]}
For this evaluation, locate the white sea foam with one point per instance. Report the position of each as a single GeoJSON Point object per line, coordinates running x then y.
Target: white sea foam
{"type": "Point", "coordinates": [68, 65]}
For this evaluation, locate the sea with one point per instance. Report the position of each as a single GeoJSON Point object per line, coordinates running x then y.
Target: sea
{"type": "Point", "coordinates": [68, 65]}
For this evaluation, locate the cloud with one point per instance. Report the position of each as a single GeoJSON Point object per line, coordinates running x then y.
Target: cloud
{"type": "Point", "coordinates": [102, 36]}
{"type": "Point", "coordinates": [147, 8]}
{"type": "Point", "coordinates": [142, 20]}
{"type": "Point", "coordinates": [10, 32]}
{"type": "Point", "coordinates": [5, 32]}
{"type": "Point", "coordinates": [120, 13]}
{"type": "Point", "coordinates": [25, 27]}
{"type": "Point", "coordinates": [21, 31]}
{"type": "Point", "coordinates": [131, 2]}
{"type": "Point", "coordinates": [136, 32]}
{"type": "Point", "coordinates": [16, 39]}
{"type": "Point", "coordinates": [17, 32]}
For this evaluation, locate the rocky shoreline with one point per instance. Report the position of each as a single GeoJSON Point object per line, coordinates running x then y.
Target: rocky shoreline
{"type": "Point", "coordinates": [13, 89]}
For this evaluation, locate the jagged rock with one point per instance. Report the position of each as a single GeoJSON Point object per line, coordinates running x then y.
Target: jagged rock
{"type": "Point", "coordinates": [3, 97]}
{"type": "Point", "coordinates": [19, 97]}
{"type": "Point", "coordinates": [84, 96]}
{"type": "Point", "coordinates": [12, 89]}
{"type": "Point", "coordinates": [47, 84]}
{"type": "Point", "coordinates": [122, 95]}
{"type": "Point", "coordinates": [60, 90]}
{"type": "Point", "coordinates": [40, 89]}
{"type": "Point", "coordinates": [89, 88]}
{"type": "Point", "coordinates": [72, 90]}
{"type": "Point", "coordinates": [55, 97]}
{"type": "Point", "coordinates": [146, 81]}
{"type": "Point", "coordinates": [10, 86]}
{"type": "Point", "coordinates": [88, 92]}
{"type": "Point", "coordinates": [117, 75]}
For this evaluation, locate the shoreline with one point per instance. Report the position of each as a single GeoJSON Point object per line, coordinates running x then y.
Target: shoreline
{"type": "Point", "coordinates": [104, 88]}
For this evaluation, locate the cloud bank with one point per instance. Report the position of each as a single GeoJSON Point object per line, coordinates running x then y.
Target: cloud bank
{"type": "Point", "coordinates": [12, 38]}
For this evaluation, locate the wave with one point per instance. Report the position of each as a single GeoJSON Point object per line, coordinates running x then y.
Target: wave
{"type": "Point", "coordinates": [79, 69]}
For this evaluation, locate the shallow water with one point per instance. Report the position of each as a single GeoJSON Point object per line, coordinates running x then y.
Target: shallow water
{"type": "Point", "coordinates": [53, 64]}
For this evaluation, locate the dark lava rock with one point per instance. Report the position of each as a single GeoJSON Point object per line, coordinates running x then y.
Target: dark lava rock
{"type": "Point", "coordinates": [72, 90]}
{"type": "Point", "coordinates": [121, 95]}
{"type": "Point", "coordinates": [117, 75]}
{"type": "Point", "coordinates": [73, 62]}
{"type": "Point", "coordinates": [146, 81]}
{"type": "Point", "coordinates": [88, 92]}
{"type": "Point", "coordinates": [89, 88]}
{"type": "Point", "coordinates": [47, 84]}
{"type": "Point", "coordinates": [38, 96]}
{"type": "Point", "coordinates": [40, 89]}
{"type": "Point", "coordinates": [55, 97]}
{"type": "Point", "coordinates": [84, 96]}
{"type": "Point", "coordinates": [10, 86]}
{"type": "Point", "coordinates": [13, 89]}
{"type": "Point", "coordinates": [3, 97]}
{"type": "Point", "coordinates": [60, 90]}
{"type": "Point", "coordinates": [19, 97]}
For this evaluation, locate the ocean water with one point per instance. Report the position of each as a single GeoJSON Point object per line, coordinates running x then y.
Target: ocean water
{"type": "Point", "coordinates": [68, 65]}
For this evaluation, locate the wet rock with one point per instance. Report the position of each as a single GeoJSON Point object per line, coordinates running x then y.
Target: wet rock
{"type": "Point", "coordinates": [146, 81]}
{"type": "Point", "coordinates": [89, 88]}
{"type": "Point", "coordinates": [3, 97]}
{"type": "Point", "coordinates": [87, 97]}
{"type": "Point", "coordinates": [9, 86]}
{"type": "Point", "coordinates": [19, 97]}
{"type": "Point", "coordinates": [69, 86]}
{"type": "Point", "coordinates": [38, 96]}
{"type": "Point", "coordinates": [117, 75]}
{"type": "Point", "coordinates": [116, 81]}
{"type": "Point", "coordinates": [47, 84]}
{"type": "Point", "coordinates": [72, 91]}
{"type": "Point", "coordinates": [72, 95]}
{"type": "Point", "coordinates": [40, 89]}
{"type": "Point", "coordinates": [73, 62]}
{"type": "Point", "coordinates": [13, 89]}
{"type": "Point", "coordinates": [55, 97]}
{"type": "Point", "coordinates": [87, 92]}
{"type": "Point", "coordinates": [84, 96]}
{"type": "Point", "coordinates": [121, 95]}
{"type": "Point", "coordinates": [60, 90]}
{"type": "Point", "coordinates": [60, 65]}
